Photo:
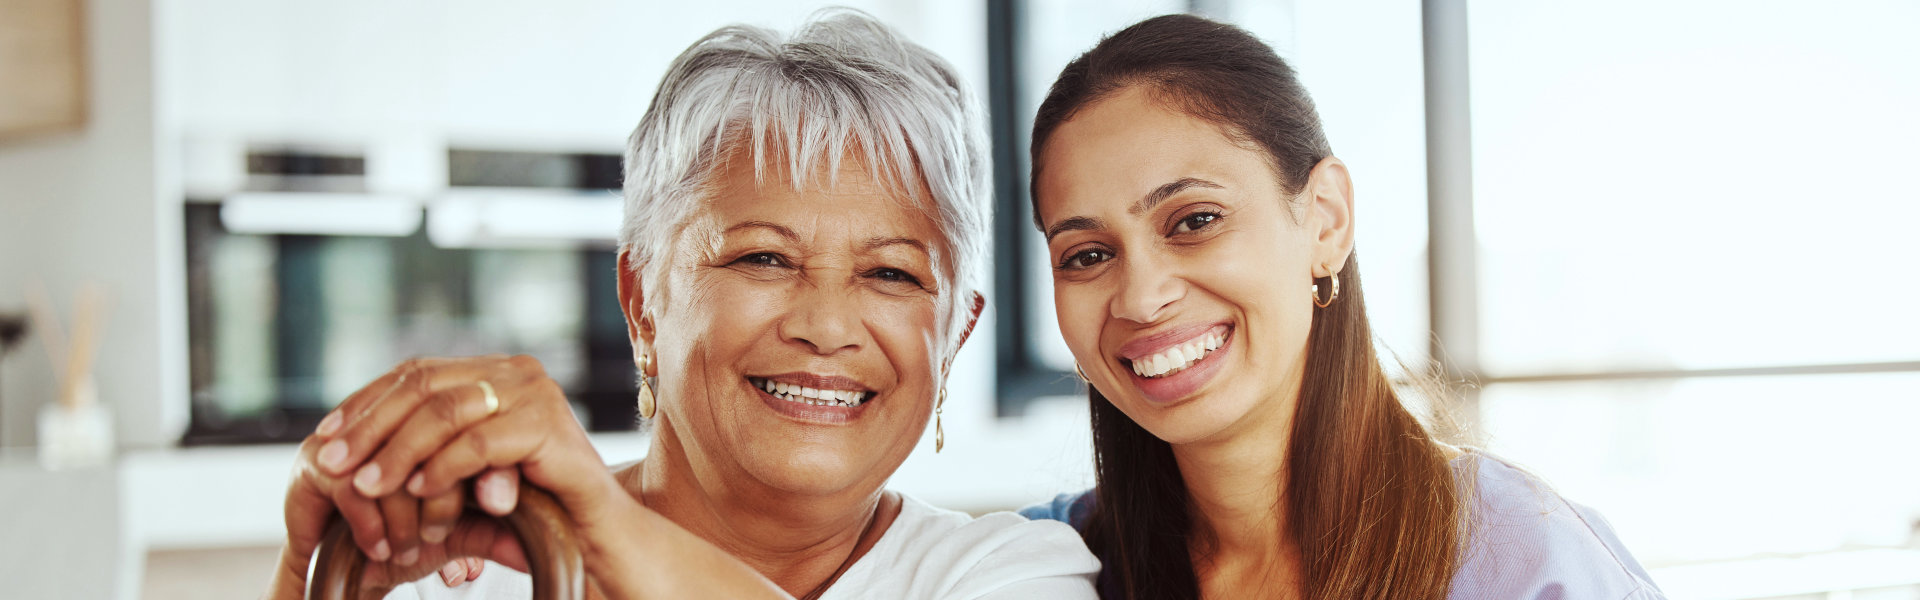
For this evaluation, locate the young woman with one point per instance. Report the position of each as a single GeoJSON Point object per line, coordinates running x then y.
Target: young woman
{"type": "Point", "coordinates": [1247, 442]}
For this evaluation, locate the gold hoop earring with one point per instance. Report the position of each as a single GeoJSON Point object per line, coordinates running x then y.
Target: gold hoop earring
{"type": "Point", "coordinates": [647, 405]}
{"type": "Point", "coordinates": [1082, 373]}
{"type": "Point", "coordinates": [939, 432]}
{"type": "Point", "coordinates": [1333, 292]}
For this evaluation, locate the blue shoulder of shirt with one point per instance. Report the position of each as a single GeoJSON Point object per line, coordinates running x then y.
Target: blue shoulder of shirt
{"type": "Point", "coordinates": [1071, 508]}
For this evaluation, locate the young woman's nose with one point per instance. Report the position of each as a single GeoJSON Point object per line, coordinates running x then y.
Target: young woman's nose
{"type": "Point", "coordinates": [1147, 287]}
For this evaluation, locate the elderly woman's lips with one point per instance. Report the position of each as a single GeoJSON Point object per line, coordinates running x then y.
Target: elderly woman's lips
{"type": "Point", "coordinates": [817, 396]}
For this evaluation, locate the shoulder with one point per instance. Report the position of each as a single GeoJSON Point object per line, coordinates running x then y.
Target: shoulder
{"type": "Point", "coordinates": [931, 552]}
{"type": "Point", "coordinates": [1524, 540]}
{"type": "Point", "coordinates": [1070, 508]}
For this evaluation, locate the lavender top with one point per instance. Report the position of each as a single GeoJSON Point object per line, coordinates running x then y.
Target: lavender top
{"type": "Point", "coordinates": [1527, 542]}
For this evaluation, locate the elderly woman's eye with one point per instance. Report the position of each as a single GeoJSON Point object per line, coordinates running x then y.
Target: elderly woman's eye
{"type": "Point", "coordinates": [893, 275]}
{"type": "Point", "coordinates": [1085, 259]}
{"type": "Point", "coordinates": [762, 259]}
{"type": "Point", "coordinates": [1195, 222]}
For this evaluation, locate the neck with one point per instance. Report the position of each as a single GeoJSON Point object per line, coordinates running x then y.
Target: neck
{"type": "Point", "coordinates": [1236, 484]}
{"type": "Point", "coordinates": [798, 542]}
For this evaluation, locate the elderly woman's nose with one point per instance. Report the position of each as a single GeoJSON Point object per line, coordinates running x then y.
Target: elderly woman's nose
{"type": "Point", "coordinates": [827, 319]}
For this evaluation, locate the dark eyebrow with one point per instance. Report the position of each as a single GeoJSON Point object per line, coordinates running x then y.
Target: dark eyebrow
{"type": "Point", "coordinates": [1074, 224]}
{"type": "Point", "coordinates": [1158, 195]}
{"type": "Point", "coordinates": [775, 227]}
{"type": "Point", "coordinates": [880, 242]}
{"type": "Point", "coordinates": [1162, 193]}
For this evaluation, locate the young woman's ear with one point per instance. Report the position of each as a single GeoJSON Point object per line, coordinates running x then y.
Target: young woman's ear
{"type": "Point", "coordinates": [1330, 212]}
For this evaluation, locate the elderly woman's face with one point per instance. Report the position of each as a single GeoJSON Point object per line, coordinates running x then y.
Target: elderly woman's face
{"type": "Point", "coordinates": [799, 341]}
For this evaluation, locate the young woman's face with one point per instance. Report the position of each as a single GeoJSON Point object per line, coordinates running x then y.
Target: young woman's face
{"type": "Point", "coordinates": [1182, 269]}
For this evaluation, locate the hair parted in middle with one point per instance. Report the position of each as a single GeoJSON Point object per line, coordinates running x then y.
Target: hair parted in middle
{"type": "Point", "coordinates": [1370, 495]}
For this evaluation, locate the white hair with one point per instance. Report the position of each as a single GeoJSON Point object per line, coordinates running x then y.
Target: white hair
{"type": "Point", "coordinates": [843, 82]}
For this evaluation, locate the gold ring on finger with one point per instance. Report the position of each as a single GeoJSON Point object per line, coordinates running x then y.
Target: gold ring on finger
{"type": "Point", "coordinates": [493, 400]}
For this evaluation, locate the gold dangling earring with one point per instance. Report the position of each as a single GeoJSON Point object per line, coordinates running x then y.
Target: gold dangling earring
{"type": "Point", "coordinates": [647, 405]}
{"type": "Point", "coordinates": [1333, 283]}
{"type": "Point", "coordinates": [939, 432]}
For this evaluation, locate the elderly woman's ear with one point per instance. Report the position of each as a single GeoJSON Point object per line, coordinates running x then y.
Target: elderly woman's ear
{"type": "Point", "coordinates": [973, 318]}
{"type": "Point", "coordinates": [640, 326]}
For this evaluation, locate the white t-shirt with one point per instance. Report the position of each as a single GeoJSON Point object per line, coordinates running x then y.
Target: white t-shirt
{"type": "Point", "coordinates": [928, 553]}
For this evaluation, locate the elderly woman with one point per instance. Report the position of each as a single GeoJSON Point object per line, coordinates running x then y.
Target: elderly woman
{"type": "Point", "coordinates": [805, 223]}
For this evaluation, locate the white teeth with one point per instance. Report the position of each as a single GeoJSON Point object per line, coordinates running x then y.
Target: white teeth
{"type": "Point", "coordinates": [807, 395]}
{"type": "Point", "coordinates": [1178, 357]}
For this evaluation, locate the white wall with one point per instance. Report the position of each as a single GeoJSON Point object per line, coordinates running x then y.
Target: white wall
{"type": "Point", "coordinates": [181, 87]}
{"type": "Point", "coordinates": [83, 207]}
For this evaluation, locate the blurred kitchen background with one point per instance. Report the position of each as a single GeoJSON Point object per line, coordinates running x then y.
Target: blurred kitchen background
{"type": "Point", "coordinates": [1669, 246]}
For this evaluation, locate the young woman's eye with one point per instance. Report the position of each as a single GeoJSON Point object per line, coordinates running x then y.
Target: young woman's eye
{"type": "Point", "coordinates": [1085, 259]}
{"type": "Point", "coordinates": [1195, 222]}
{"type": "Point", "coordinates": [762, 259]}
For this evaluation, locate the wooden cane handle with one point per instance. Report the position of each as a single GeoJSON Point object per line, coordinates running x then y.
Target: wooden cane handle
{"type": "Point", "coordinates": [546, 536]}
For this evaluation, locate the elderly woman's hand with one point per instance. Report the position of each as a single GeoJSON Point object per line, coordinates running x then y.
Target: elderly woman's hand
{"type": "Point", "coordinates": [314, 496]}
{"type": "Point", "coordinates": [424, 428]}
{"type": "Point", "coordinates": [448, 420]}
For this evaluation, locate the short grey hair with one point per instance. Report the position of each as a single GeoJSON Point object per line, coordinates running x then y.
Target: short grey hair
{"type": "Point", "coordinates": [843, 81]}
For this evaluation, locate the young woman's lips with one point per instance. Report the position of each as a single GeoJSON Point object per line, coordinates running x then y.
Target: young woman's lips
{"type": "Point", "coordinates": [813, 413]}
{"type": "Point", "coordinates": [1173, 388]}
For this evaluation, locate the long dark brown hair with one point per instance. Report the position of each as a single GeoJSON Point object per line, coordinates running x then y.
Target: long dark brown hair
{"type": "Point", "coordinates": [1370, 497]}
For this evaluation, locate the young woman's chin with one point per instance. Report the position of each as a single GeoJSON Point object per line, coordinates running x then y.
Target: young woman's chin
{"type": "Point", "coordinates": [1206, 413]}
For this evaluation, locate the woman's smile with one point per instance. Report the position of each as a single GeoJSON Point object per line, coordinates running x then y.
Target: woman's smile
{"type": "Point", "coordinates": [821, 399]}
{"type": "Point", "coordinates": [1170, 366]}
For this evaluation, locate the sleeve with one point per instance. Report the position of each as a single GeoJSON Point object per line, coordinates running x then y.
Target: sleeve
{"type": "Point", "coordinates": [496, 582]}
{"type": "Point", "coordinates": [1647, 592]}
{"type": "Point", "coordinates": [1069, 508]}
{"type": "Point", "coordinates": [1037, 559]}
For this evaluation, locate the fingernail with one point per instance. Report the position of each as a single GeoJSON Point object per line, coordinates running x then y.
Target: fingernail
{"type": "Point", "coordinates": [433, 534]}
{"type": "Point", "coordinates": [329, 424]}
{"type": "Point", "coordinates": [498, 495]}
{"type": "Point", "coordinates": [406, 559]}
{"type": "Point", "coordinates": [381, 552]}
{"type": "Point", "coordinates": [416, 483]}
{"type": "Point", "coordinates": [334, 455]}
{"type": "Point", "coordinates": [453, 573]}
{"type": "Point", "coordinates": [368, 477]}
